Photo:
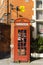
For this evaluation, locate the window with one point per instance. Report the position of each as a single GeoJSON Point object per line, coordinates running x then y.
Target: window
{"type": "Point", "coordinates": [39, 14]}
{"type": "Point", "coordinates": [22, 42]}
{"type": "Point", "coordinates": [26, 0]}
{"type": "Point", "coordinates": [39, 4]}
{"type": "Point", "coordinates": [40, 29]}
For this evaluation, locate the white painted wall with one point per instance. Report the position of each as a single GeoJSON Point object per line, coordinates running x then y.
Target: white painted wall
{"type": "Point", "coordinates": [37, 55]}
{"type": "Point", "coordinates": [35, 30]}
{"type": "Point", "coordinates": [34, 18]}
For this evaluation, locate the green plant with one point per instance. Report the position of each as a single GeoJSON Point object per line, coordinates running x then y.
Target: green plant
{"type": "Point", "coordinates": [37, 45]}
{"type": "Point", "coordinates": [40, 44]}
{"type": "Point", "coordinates": [34, 45]}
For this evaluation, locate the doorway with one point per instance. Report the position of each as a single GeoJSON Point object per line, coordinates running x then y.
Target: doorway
{"type": "Point", "coordinates": [4, 40]}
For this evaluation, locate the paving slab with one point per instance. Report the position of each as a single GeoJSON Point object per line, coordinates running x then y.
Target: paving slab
{"type": "Point", "coordinates": [8, 61]}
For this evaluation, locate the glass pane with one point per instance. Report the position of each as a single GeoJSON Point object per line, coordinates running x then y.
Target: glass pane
{"type": "Point", "coordinates": [40, 29]}
{"type": "Point", "coordinates": [39, 4]}
{"type": "Point", "coordinates": [39, 14]}
{"type": "Point", "coordinates": [22, 42]}
{"type": "Point", "coordinates": [19, 44]}
{"type": "Point", "coordinates": [26, 0]}
{"type": "Point", "coordinates": [23, 52]}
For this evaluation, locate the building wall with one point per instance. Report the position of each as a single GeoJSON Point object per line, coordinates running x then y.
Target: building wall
{"type": "Point", "coordinates": [3, 7]}
{"type": "Point", "coordinates": [34, 18]}
{"type": "Point", "coordinates": [28, 8]}
{"type": "Point", "coordinates": [27, 13]}
{"type": "Point", "coordinates": [3, 10]}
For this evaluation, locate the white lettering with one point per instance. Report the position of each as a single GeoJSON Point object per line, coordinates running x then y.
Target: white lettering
{"type": "Point", "coordinates": [22, 24]}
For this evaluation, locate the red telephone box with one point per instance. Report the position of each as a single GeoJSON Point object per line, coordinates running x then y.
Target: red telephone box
{"type": "Point", "coordinates": [21, 40]}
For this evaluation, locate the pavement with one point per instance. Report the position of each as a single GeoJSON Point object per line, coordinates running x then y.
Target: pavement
{"type": "Point", "coordinates": [8, 61]}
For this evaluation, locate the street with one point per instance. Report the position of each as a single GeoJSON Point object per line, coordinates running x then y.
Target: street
{"type": "Point", "coordinates": [8, 61]}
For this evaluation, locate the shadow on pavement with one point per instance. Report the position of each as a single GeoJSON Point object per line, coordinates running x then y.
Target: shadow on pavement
{"type": "Point", "coordinates": [4, 55]}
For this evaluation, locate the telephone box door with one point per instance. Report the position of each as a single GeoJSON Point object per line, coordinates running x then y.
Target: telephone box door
{"type": "Point", "coordinates": [21, 43]}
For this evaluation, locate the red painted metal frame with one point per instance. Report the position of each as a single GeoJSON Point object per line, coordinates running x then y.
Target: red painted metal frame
{"type": "Point", "coordinates": [16, 56]}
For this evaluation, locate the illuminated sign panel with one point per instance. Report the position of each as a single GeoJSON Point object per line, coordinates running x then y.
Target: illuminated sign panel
{"type": "Point", "coordinates": [22, 24]}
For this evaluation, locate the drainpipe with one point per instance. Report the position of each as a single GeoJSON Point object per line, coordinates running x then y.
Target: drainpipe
{"type": "Point", "coordinates": [7, 11]}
